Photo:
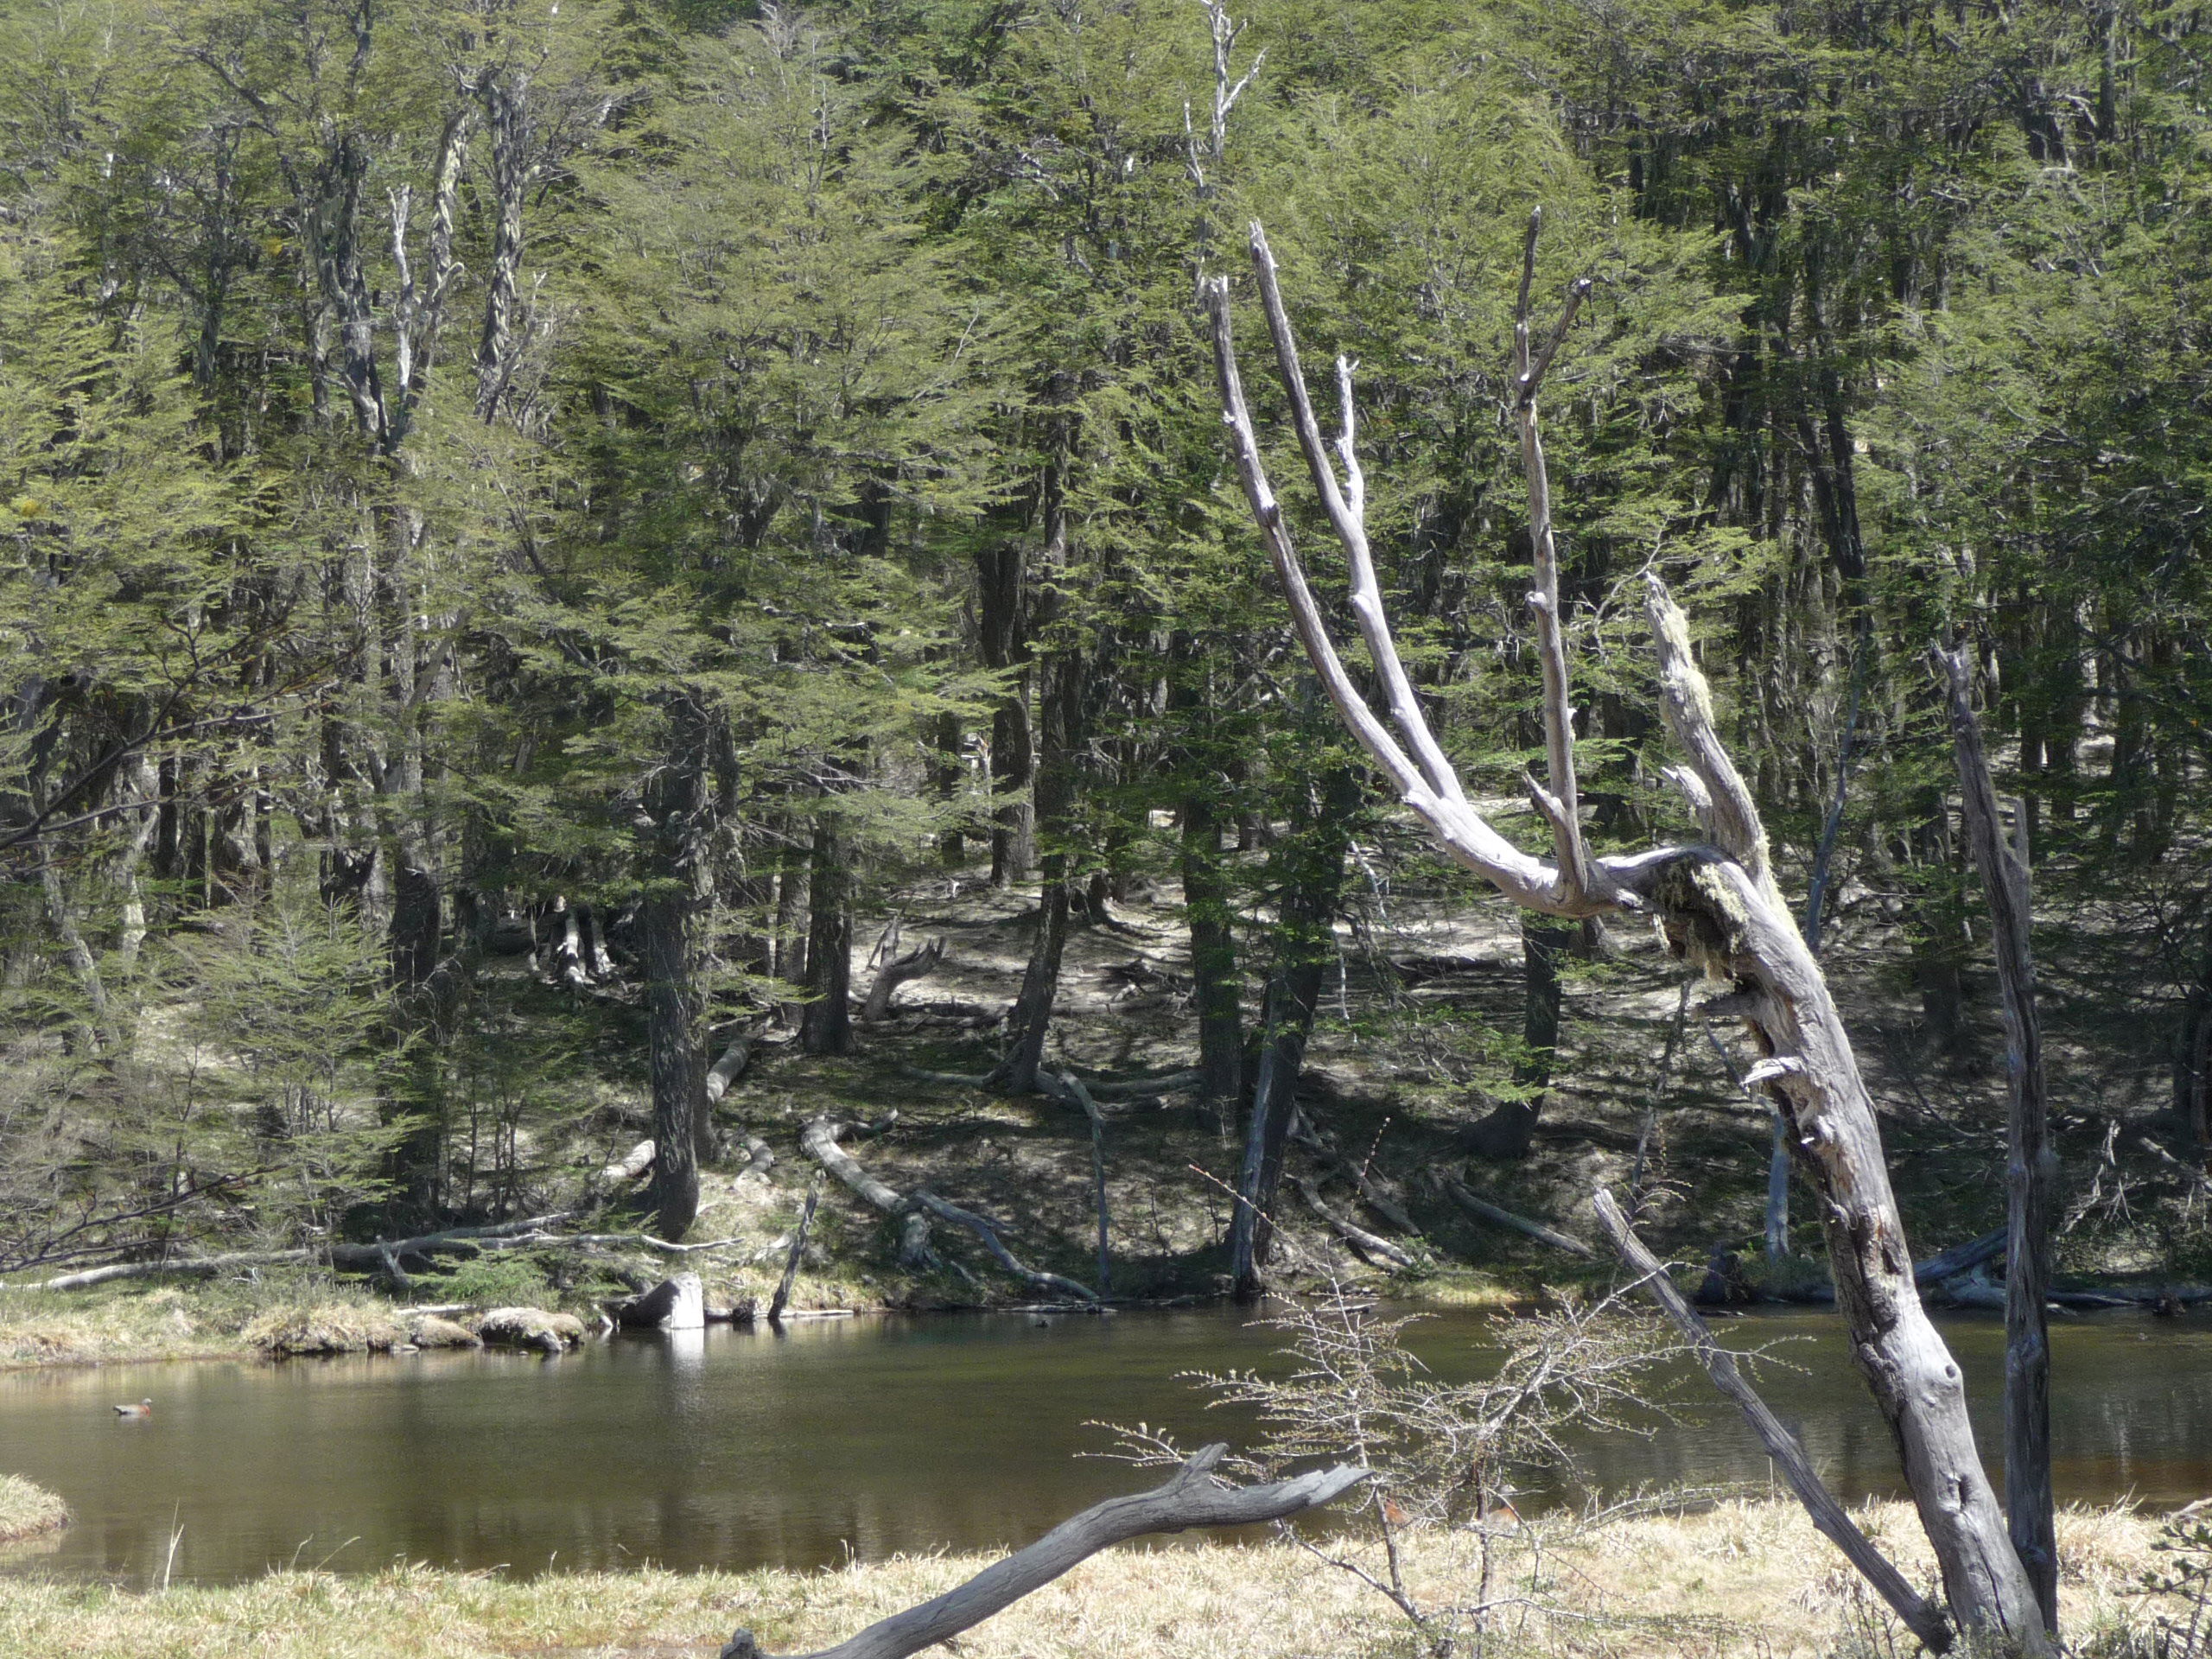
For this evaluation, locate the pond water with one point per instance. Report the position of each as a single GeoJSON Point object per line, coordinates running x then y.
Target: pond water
{"type": "Point", "coordinates": [873, 1436]}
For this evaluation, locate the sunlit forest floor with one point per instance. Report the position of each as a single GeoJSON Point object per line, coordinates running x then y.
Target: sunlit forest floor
{"type": "Point", "coordinates": [1742, 1579]}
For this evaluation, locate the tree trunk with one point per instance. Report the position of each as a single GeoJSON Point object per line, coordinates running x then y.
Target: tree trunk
{"type": "Point", "coordinates": [1721, 910]}
{"type": "Point", "coordinates": [1305, 941]}
{"type": "Point", "coordinates": [677, 804]}
{"type": "Point", "coordinates": [826, 1027]}
{"type": "Point", "coordinates": [1206, 911]}
{"type": "Point", "coordinates": [1002, 636]}
{"type": "Point", "coordinates": [2031, 1166]}
{"type": "Point", "coordinates": [1508, 1130]}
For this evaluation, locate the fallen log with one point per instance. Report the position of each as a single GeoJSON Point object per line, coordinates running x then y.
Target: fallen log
{"type": "Point", "coordinates": [819, 1138]}
{"type": "Point", "coordinates": [365, 1257]}
{"type": "Point", "coordinates": [1535, 1229]}
{"type": "Point", "coordinates": [1960, 1258]}
{"type": "Point", "coordinates": [1370, 1194]}
{"type": "Point", "coordinates": [630, 1166]}
{"type": "Point", "coordinates": [1192, 1497]}
{"type": "Point", "coordinates": [985, 1230]}
{"type": "Point", "coordinates": [1924, 1620]}
{"type": "Point", "coordinates": [915, 964]}
{"type": "Point", "coordinates": [199, 1267]}
{"type": "Point", "coordinates": [728, 1069]}
{"type": "Point", "coordinates": [1372, 1245]}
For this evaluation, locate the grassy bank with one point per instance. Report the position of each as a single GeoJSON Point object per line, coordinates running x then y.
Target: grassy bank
{"type": "Point", "coordinates": [28, 1510]}
{"type": "Point", "coordinates": [1744, 1578]}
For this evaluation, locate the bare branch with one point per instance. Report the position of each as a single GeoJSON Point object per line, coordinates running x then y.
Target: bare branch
{"type": "Point", "coordinates": [1562, 809]}
{"type": "Point", "coordinates": [1723, 801]}
{"type": "Point", "coordinates": [1924, 1620]}
{"type": "Point", "coordinates": [1462, 831]}
{"type": "Point", "coordinates": [1192, 1497]}
{"type": "Point", "coordinates": [1347, 518]}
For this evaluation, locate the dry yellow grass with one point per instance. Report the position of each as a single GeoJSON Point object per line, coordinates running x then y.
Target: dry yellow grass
{"type": "Point", "coordinates": [28, 1510]}
{"type": "Point", "coordinates": [1745, 1578]}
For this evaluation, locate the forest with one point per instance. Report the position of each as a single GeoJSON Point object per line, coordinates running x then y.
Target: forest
{"type": "Point", "coordinates": [616, 611]}
{"type": "Point", "coordinates": [532, 533]}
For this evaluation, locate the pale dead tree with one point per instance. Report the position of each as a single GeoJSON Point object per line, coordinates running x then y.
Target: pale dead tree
{"type": "Point", "coordinates": [1716, 902]}
{"type": "Point", "coordinates": [1201, 152]}
{"type": "Point", "coordinates": [2032, 1166]}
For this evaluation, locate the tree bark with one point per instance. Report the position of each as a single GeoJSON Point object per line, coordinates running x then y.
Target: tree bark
{"type": "Point", "coordinates": [1721, 910]}
{"type": "Point", "coordinates": [677, 812]}
{"type": "Point", "coordinates": [679, 1076]}
{"type": "Point", "coordinates": [826, 1027]}
{"type": "Point", "coordinates": [1002, 638]}
{"type": "Point", "coordinates": [2032, 1166]}
{"type": "Point", "coordinates": [1190, 1498]}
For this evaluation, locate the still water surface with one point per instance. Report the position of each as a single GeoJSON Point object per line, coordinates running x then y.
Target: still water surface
{"type": "Point", "coordinates": [873, 1436]}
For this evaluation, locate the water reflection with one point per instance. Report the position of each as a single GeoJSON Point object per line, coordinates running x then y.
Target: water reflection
{"type": "Point", "coordinates": [727, 1448]}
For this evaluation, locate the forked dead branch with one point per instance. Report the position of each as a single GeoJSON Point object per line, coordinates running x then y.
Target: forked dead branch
{"type": "Point", "coordinates": [1716, 902]}
{"type": "Point", "coordinates": [1192, 1497]}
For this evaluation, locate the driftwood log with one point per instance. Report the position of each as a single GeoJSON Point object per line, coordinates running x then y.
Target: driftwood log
{"type": "Point", "coordinates": [1192, 1497]}
{"type": "Point", "coordinates": [1373, 1246]}
{"type": "Point", "coordinates": [819, 1138]}
{"type": "Point", "coordinates": [1483, 1208]}
{"type": "Point", "coordinates": [1716, 902]}
{"type": "Point", "coordinates": [1923, 1620]}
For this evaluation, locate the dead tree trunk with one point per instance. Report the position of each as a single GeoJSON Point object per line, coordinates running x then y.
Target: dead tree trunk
{"type": "Point", "coordinates": [1720, 908]}
{"type": "Point", "coordinates": [1192, 1497]}
{"type": "Point", "coordinates": [2031, 1166]}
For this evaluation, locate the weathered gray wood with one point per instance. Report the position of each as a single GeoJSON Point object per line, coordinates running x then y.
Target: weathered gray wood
{"type": "Point", "coordinates": [2031, 1164]}
{"type": "Point", "coordinates": [819, 1138]}
{"type": "Point", "coordinates": [783, 1297]}
{"type": "Point", "coordinates": [1071, 1087]}
{"type": "Point", "coordinates": [630, 1166]}
{"type": "Point", "coordinates": [987, 1232]}
{"type": "Point", "coordinates": [1372, 1245]}
{"type": "Point", "coordinates": [1924, 1621]}
{"type": "Point", "coordinates": [1190, 1498]}
{"type": "Point", "coordinates": [916, 963]}
{"type": "Point", "coordinates": [728, 1069]}
{"type": "Point", "coordinates": [1720, 909]}
{"type": "Point", "coordinates": [1537, 1230]}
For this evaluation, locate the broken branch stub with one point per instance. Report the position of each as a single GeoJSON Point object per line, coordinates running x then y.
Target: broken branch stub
{"type": "Point", "coordinates": [1721, 910]}
{"type": "Point", "coordinates": [1190, 1497]}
